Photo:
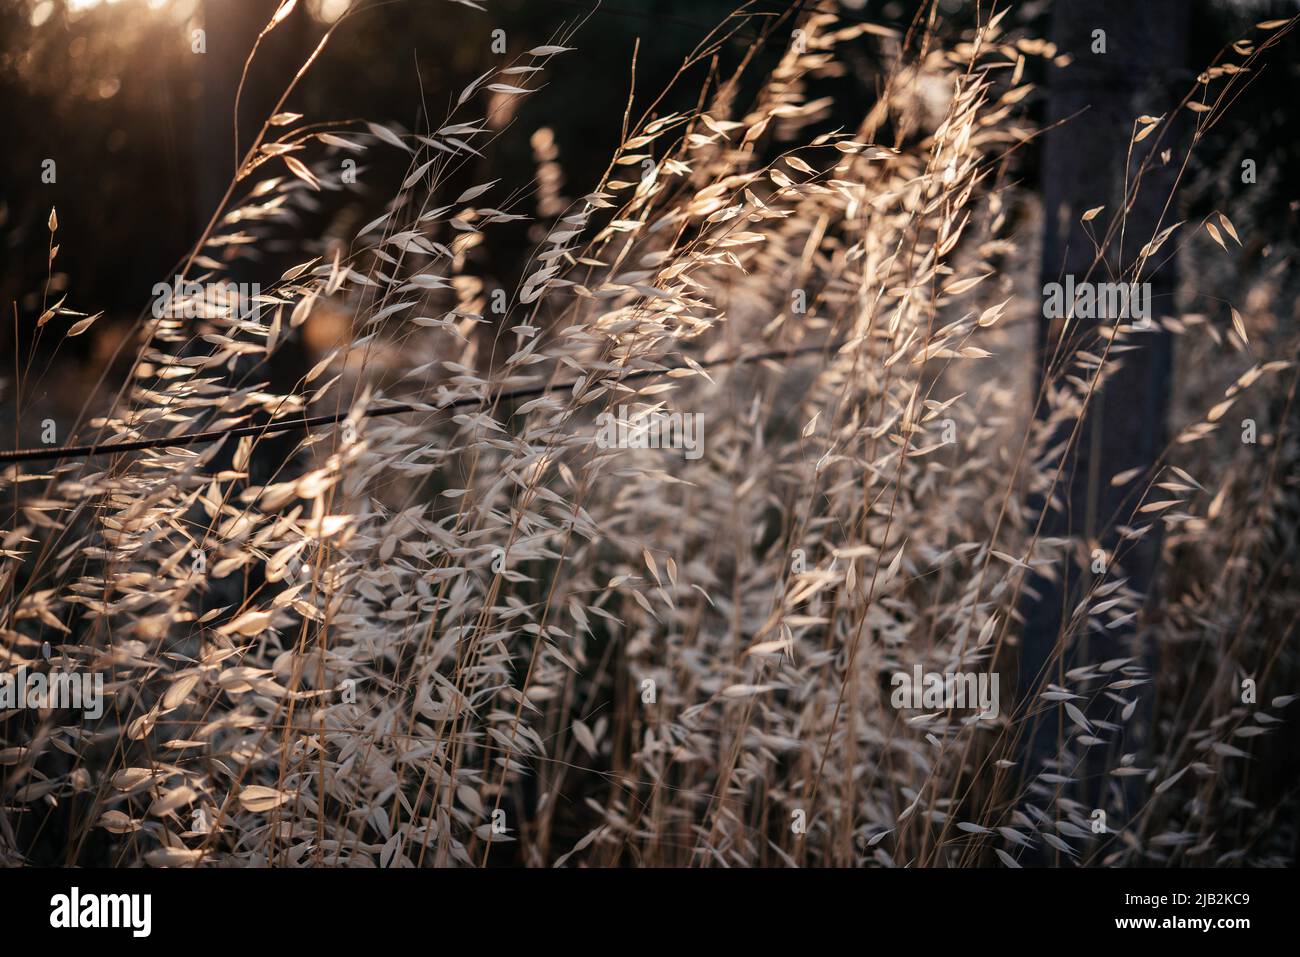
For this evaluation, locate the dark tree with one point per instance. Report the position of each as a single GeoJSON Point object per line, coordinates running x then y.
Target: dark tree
{"type": "Point", "coordinates": [1086, 164]}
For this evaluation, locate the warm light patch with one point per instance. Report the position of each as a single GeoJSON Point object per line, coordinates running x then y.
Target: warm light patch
{"type": "Point", "coordinates": [79, 6]}
{"type": "Point", "coordinates": [327, 11]}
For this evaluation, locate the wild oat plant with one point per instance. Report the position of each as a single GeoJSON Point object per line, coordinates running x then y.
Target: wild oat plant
{"type": "Point", "coordinates": [472, 632]}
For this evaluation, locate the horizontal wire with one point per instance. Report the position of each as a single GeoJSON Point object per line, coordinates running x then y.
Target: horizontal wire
{"type": "Point", "coordinates": [18, 456]}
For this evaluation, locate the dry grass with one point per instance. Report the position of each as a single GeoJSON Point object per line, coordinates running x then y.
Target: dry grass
{"type": "Point", "coordinates": [674, 659]}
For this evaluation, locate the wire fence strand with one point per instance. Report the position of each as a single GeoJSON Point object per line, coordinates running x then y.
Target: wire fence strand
{"type": "Point", "coordinates": [19, 456]}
